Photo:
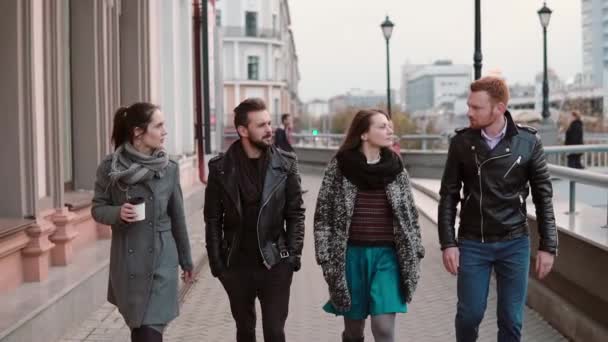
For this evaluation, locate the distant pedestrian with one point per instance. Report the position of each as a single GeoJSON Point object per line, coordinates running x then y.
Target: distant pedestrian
{"type": "Point", "coordinates": [282, 135]}
{"type": "Point", "coordinates": [574, 136]}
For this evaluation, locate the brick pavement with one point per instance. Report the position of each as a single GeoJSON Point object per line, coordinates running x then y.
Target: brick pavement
{"type": "Point", "coordinates": [205, 314]}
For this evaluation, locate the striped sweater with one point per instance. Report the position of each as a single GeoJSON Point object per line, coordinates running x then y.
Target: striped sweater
{"type": "Point", "coordinates": [372, 220]}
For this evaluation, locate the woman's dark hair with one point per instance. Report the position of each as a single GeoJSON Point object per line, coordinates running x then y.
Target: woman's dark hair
{"type": "Point", "coordinates": [360, 124]}
{"type": "Point", "coordinates": [126, 119]}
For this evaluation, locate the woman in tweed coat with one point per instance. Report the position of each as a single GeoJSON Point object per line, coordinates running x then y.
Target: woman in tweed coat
{"type": "Point", "coordinates": [367, 237]}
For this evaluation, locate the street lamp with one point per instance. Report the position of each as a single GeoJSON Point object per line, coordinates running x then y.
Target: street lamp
{"type": "Point", "coordinates": [544, 15]}
{"type": "Point", "coordinates": [477, 56]}
{"type": "Point", "coordinates": [387, 30]}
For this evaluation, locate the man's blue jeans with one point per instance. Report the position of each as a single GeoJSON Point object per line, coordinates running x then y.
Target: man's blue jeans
{"type": "Point", "coordinates": [511, 263]}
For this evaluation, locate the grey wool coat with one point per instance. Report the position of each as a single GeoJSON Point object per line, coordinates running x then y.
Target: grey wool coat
{"type": "Point", "coordinates": [335, 207]}
{"type": "Point", "coordinates": [144, 256]}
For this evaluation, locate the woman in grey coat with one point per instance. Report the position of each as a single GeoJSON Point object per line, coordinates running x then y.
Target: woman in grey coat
{"type": "Point", "coordinates": [149, 244]}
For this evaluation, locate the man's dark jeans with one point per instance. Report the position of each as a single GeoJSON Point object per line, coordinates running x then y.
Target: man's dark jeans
{"type": "Point", "coordinates": [271, 287]}
{"type": "Point", "coordinates": [511, 263]}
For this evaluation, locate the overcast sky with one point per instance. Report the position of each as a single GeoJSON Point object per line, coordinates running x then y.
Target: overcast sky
{"type": "Point", "coordinates": [340, 43]}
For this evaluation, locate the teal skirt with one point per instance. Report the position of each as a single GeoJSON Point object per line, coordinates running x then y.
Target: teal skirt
{"type": "Point", "coordinates": [372, 276]}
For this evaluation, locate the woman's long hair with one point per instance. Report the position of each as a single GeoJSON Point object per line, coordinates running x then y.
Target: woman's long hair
{"type": "Point", "coordinates": [360, 124]}
{"type": "Point", "coordinates": [126, 119]}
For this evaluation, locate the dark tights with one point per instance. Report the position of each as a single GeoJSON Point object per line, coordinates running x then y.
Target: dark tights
{"type": "Point", "coordinates": [146, 334]}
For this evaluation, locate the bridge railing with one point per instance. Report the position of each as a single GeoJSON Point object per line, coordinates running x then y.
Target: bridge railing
{"type": "Point", "coordinates": [592, 155]}
{"type": "Point", "coordinates": [407, 141]}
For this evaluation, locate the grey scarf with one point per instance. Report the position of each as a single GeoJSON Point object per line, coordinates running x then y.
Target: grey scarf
{"type": "Point", "coordinates": [130, 166]}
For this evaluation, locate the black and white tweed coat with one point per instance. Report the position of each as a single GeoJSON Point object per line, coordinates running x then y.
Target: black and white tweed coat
{"type": "Point", "coordinates": [335, 206]}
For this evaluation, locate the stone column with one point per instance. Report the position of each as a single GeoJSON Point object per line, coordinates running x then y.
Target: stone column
{"type": "Point", "coordinates": [18, 130]}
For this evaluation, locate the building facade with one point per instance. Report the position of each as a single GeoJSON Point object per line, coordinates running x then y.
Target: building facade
{"type": "Point", "coordinates": [407, 70]}
{"type": "Point", "coordinates": [431, 86]}
{"type": "Point", "coordinates": [259, 56]}
{"type": "Point", "coordinates": [67, 65]}
{"type": "Point", "coordinates": [595, 41]}
{"type": "Point", "coordinates": [358, 98]}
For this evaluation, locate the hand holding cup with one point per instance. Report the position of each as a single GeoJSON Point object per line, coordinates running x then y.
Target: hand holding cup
{"type": "Point", "coordinates": [134, 210]}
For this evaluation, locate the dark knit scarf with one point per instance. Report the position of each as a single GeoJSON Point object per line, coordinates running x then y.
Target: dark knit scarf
{"type": "Point", "coordinates": [250, 175]}
{"type": "Point", "coordinates": [354, 166]}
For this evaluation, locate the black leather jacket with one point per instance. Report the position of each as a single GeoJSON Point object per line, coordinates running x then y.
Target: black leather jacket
{"type": "Point", "coordinates": [280, 226]}
{"type": "Point", "coordinates": [496, 185]}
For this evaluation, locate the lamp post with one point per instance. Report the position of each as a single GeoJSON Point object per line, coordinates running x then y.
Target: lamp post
{"type": "Point", "coordinates": [544, 15]}
{"type": "Point", "coordinates": [387, 30]}
{"type": "Point", "coordinates": [477, 57]}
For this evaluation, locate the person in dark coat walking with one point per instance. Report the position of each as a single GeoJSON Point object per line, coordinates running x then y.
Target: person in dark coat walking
{"type": "Point", "coordinates": [574, 136]}
{"type": "Point", "coordinates": [254, 223]}
{"type": "Point", "coordinates": [148, 243]}
{"type": "Point", "coordinates": [282, 134]}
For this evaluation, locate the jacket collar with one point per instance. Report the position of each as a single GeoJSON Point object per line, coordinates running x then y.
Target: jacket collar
{"type": "Point", "coordinates": [277, 170]}
{"type": "Point", "coordinates": [481, 148]}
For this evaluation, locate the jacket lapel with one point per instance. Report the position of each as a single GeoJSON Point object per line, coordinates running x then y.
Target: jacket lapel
{"type": "Point", "coordinates": [229, 177]}
{"type": "Point", "coordinates": [275, 174]}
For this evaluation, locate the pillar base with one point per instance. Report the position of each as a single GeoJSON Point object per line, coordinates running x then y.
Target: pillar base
{"type": "Point", "coordinates": [36, 254]}
{"type": "Point", "coordinates": [62, 253]}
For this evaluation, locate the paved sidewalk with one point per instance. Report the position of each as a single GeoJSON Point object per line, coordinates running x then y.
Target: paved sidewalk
{"type": "Point", "coordinates": [205, 314]}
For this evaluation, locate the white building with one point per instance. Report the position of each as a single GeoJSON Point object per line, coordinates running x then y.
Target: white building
{"type": "Point", "coordinates": [320, 109]}
{"type": "Point", "coordinates": [259, 55]}
{"type": "Point", "coordinates": [407, 70]}
{"type": "Point", "coordinates": [358, 98]}
{"type": "Point", "coordinates": [432, 86]}
{"type": "Point", "coordinates": [595, 40]}
{"type": "Point", "coordinates": [317, 107]}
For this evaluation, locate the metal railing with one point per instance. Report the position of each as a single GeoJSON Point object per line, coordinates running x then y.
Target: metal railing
{"type": "Point", "coordinates": [238, 31]}
{"type": "Point", "coordinates": [592, 155]}
{"type": "Point", "coordinates": [408, 141]}
{"type": "Point", "coordinates": [579, 176]}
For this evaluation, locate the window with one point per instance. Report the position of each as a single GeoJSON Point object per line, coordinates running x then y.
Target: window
{"type": "Point", "coordinates": [251, 24]}
{"type": "Point", "coordinates": [253, 67]}
{"type": "Point", "coordinates": [275, 107]}
{"type": "Point", "coordinates": [218, 18]}
{"type": "Point", "coordinates": [274, 24]}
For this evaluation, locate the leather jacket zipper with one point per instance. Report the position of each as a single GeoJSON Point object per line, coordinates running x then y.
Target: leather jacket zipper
{"type": "Point", "coordinates": [517, 162]}
{"type": "Point", "coordinates": [466, 201]}
{"type": "Point", "coordinates": [257, 226]}
{"type": "Point", "coordinates": [232, 247]}
{"type": "Point", "coordinates": [481, 187]}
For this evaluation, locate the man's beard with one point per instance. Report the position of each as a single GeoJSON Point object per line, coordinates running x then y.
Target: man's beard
{"type": "Point", "coordinates": [260, 144]}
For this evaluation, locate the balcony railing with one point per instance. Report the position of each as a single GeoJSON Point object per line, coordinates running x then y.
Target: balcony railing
{"type": "Point", "coordinates": [237, 31]}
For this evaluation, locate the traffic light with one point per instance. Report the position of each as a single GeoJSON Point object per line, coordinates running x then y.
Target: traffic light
{"type": "Point", "coordinates": [315, 132]}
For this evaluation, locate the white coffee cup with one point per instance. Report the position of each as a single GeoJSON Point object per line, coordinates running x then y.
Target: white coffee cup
{"type": "Point", "coordinates": [139, 205]}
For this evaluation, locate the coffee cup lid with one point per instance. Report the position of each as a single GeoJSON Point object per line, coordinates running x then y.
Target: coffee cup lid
{"type": "Point", "coordinates": [137, 200]}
